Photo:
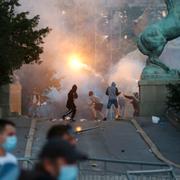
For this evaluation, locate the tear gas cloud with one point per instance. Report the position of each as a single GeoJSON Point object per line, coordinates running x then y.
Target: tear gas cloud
{"type": "Point", "coordinates": [75, 31]}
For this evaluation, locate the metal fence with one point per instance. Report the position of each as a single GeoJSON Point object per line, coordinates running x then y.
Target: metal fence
{"type": "Point", "coordinates": [105, 169]}
{"type": "Point", "coordinates": [161, 174]}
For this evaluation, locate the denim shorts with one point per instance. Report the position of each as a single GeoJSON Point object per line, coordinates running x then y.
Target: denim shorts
{"type": "Point", "coordinates": [112, 102]}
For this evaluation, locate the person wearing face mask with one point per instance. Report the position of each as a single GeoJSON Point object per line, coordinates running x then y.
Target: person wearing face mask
{"type": "Point", "coordinates": [8, 142]}
{"type": "Point", "coordinates": [58, 161]}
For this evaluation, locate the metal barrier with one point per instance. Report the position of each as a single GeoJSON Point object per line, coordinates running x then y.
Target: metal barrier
{"type": "Point", "coordinates": [105, 169]}
{"type": "Point", "coordinates": [161, 174]}
{"type": "Point", "coordinates": [26, 162]}
{"type": "Point", "coordinates": [117, 166]}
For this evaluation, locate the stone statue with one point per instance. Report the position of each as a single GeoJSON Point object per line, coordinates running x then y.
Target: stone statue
{"type": "Point", "coordinates": [152, 41]}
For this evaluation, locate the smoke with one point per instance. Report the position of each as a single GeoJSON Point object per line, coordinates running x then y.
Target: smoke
{"type": "Point", "coordinates": [73, 32]}
{"type": "Point", "coordinates": [126, 73]}
{"type": "Point", "coordinates": [84, 28]}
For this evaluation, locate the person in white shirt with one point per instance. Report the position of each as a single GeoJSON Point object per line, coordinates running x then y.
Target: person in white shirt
{"type": "Point", "coordinates": [8, 142]}
{"type": "Point", "coordinates": [96, 105]}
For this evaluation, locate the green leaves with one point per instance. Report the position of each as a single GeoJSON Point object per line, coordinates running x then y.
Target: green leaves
{"type": "Point", "coordinates": [20, 39]}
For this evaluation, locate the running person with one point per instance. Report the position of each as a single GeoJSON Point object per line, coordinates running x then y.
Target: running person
{"type": "Point", "coordinates": [95, 105]}
{"type": "Point", "coordinates": [112, 92]}
{"type": "Point", "coordinates": [72, 95]}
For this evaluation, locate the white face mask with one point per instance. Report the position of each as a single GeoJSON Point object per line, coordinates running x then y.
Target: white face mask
{"type": "Point", "coordinates": [69, 172]}
{"type": "Point", "coordinates": [10, 143]}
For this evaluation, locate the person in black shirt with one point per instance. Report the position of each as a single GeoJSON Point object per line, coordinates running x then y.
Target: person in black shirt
{"type": "Point", "coordinates": [57, 161]}
{"type": "Point", "coordinates": [72, 95]}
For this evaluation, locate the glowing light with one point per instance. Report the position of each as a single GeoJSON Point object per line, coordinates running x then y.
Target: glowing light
{"type": "Point", "coordinates": [63, 12]}
{"type": "Point", "coordinates": [78, 129]}
{"type": "Point", "coordinates": [75, 62]}
{"type": "Point", "coordinates": [125, 37]}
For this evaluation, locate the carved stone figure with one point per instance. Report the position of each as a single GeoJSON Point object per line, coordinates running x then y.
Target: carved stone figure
{"type": "Point", "coordinates": [152, 41]}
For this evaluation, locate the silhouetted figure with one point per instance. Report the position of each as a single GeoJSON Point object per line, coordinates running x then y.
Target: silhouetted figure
{"type": "Point", "coordinates": [57, 161]}
{"type": "Point", "coordinates": [135, 103]}
{"type": "Point", "coordinates": [62, 131]}
{"type": "Point", "coordinates": [72, 95]}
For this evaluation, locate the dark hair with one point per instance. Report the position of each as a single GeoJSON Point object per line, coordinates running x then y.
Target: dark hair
{"type": "Point", "coordinates": [91, 93]}
{"type": "Point", "coordinates": [56, 148]}
{"type": "Point", "coordinates": [4, 123]}
{"type": "Point", "coordinates": [74, 87]}
{"type": "Point", "coordinates": [58, 131]}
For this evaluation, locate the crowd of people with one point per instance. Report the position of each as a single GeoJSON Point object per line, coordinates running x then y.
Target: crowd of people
{"type": "Point", "coordinates": [116, 100]}
{"type": "Point", "coordinates": [57, 159]}
{"type": "Point", "coordinates": [59, 156]}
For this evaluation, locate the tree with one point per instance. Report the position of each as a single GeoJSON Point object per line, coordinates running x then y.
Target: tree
{"type": "Point", "coordinates": [173, 98]}
{"type": "Point", "coordinates": [20, 39]}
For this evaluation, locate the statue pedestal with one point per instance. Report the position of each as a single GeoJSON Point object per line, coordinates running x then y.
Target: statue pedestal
{"type": "Point", "coordinates": [153, 91]}
{"type": "Point", "coordinates": [153, 95]}
{"type": "Point", "coordinates": [10, 99]}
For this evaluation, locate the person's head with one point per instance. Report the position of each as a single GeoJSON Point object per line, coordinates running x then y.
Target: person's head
{"type": "Point", "coordinates": [62, 131]}
{"type": "Point", "coordinates": [91, 93]}
{"type": "Point", "coordinates": [8, 139]}
{"type": "Point", "coordinates": [74, 87]}
{"type": "Point", "coordinates": [113, 84]}
{"type": "Point", "coordinates": [59, 159]}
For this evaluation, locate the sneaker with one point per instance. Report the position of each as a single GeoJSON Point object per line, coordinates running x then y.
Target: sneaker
{"type": "Point", "coordinates": [105, 119]}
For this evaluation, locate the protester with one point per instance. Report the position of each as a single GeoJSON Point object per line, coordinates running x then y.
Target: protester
{"type": "Point", "coordinates": [95, 105]}
{"type": "Point", "coordinates": [72, 95]}
{"type": "Point", "coordinates": [134, 99]}
{"type": "Point", "coordinates": [122, 105]}
{"type": "Point", "coordinates": [8, 141]}
{"type": "Point", "coordinates": [62, 131]}
{"type": "Point", "coordinates": [58, 161]}
{"type": "Point", "coordinates": [34, 103]}
{"type": "Point", "coordinates": [112, 92]}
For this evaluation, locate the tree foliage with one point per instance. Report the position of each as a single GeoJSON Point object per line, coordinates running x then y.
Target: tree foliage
{"type": "Point", "coordinates": [173, 98]}
{"type": "Point", "coordinates": [20, 39]}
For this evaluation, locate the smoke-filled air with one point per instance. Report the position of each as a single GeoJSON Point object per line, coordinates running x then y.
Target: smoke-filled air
{"type": "Point", "coordinates": [91, 44]}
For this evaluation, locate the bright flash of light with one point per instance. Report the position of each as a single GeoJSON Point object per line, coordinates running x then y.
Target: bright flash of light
{"type": "Point", "coordinates": [78, 129]}
{"type": "Point", "coordinates": [75, 62]}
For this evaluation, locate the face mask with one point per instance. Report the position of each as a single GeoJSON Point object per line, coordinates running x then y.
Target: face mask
{"type": "Point", "coordinates": [10, 143]}
{"type": "Point", "coordinates": [69, 172]}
